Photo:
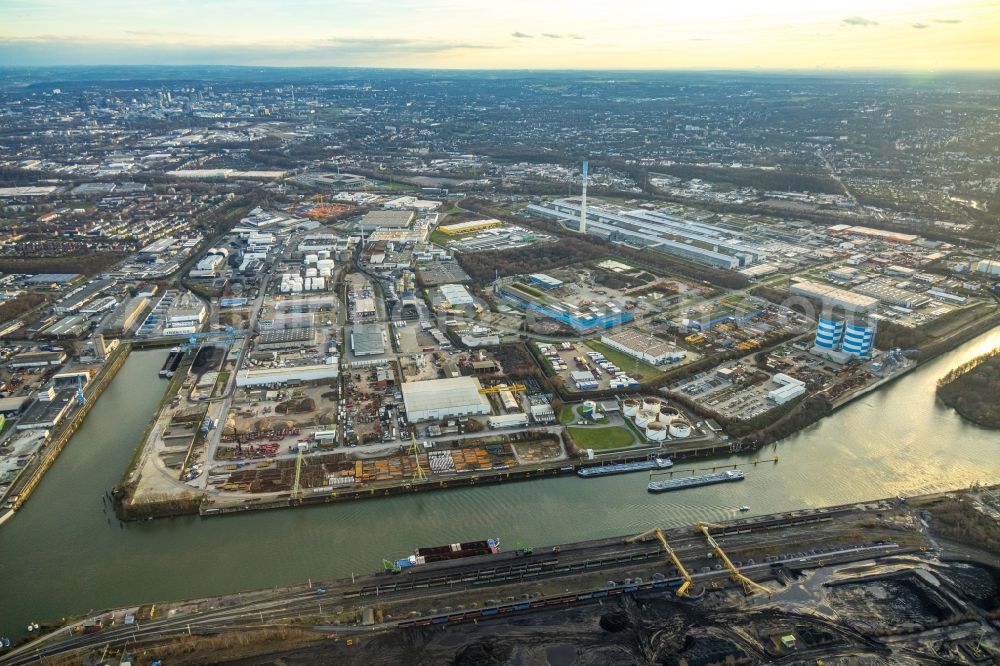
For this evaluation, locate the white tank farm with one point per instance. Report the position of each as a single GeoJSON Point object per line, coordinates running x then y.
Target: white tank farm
{"type": "Point", "coordinates": [651, 405]}
{"type": "Point", "coordinates": [680, 429]}
{"type": "Point", "coordinates": [644, 418]}
{"type": "Point", "coordinates": [630, 407]}
{"type": "Point", "coordinates": [656, 431]}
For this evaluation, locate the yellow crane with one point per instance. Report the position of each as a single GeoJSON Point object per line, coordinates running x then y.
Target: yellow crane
{"type": "Point", "coordinates": [748, 585]}
{"type": "Point", "coordinates": [501, 388]}
{"type": "Point", "coordinates": [419, 473]}
{"type": "Point", "coordinates": [296, 486]}
{"type": "Point", "coordinates": [658, 533]}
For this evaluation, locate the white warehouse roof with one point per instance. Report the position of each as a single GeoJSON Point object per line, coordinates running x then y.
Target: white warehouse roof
{"type": "Point", "coordinates": [439, 398]}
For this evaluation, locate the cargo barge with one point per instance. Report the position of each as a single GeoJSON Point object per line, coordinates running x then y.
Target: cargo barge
{"type": "Point", "coordinates": [624, 468]}
{"type": "Point", "coordinates": [172, 362]}
{"type": "Point", "coordinates": [452, 551]}
{"type": "Point", "coordinates": [693, 481]}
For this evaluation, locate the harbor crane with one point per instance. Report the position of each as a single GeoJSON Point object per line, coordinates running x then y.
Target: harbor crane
{"type": "Point", "coordinates": [503, 387]}
{"type": "Point", "coordinates": [735, 574]}
{"type": "Point", "coordinates": [682, 591]}
{"type": "Point", "coordinates": [81, 399]}
{"type": "Point", "coordinates": [297, 485]}
{"type": "Point", "coordinates": [419, 473]}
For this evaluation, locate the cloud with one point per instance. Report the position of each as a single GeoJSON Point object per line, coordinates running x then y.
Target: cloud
{"type": "Point", "coordinates": [575, 36]}
{"type": "Point", "coordinates": [521, 35]}
{"type": "Point", "coordinates": [551, 35]}
{"type": "Point", "coordinates": [920, 26]}
{"type": "Point", "coordinates": [45, 50]}
{"type": "Point", "coordinates": [947, 20]}
{"type": "Point", "coordinates": [859, 21]}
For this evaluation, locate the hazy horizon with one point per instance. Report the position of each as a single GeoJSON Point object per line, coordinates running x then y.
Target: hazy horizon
{"type": "Point", "coordinates": [881, 35]}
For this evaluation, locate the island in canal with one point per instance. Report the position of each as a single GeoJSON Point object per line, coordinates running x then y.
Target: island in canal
{"type": "Point", "coordinates": [972, 389]}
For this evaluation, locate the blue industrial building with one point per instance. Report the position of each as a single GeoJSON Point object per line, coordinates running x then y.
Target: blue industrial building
{"type": "Point", "coordinates": [582, 321]}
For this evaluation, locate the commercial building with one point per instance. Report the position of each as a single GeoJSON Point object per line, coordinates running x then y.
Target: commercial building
{"type": "Point", "coordinates": [367, 339]}
{"type": "Point", "coordinates": [834, 296]}
{"type": "Point", "coordinates": [582, 320]}
{"type": "Point", "coordinates": [644, 347]}
{"type": "Point", "coordinates": [443, 398]}
{"type": "Point", "coordinates": [291, 338]}
{"type": "Point", "coordinates": [37, 359]}
{"type": "Point", "coordinates": [660, 232]}
{"type": "Point", "coordinates": [124, 320]}
{"type": "Point", "coordinates": [789, 388]}
{"type": "Point", "coordinates": [469, 226]}
{"type": "Point", "coordinates": [456, 295]}
{"type": "Point", "coordinates": [303, 373]}
{"type": "Point", "coordinates": [44, 414]}
{"type": "Point", "coordinates": [391, 219]}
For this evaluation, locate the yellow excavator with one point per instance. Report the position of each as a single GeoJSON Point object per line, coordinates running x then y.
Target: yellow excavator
{"type": "Point", "coordinates": [682, 591]}
{"type": "Point", "coordinates": [735, 574]}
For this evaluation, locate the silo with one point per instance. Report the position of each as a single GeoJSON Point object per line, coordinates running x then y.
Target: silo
{"type": "Point", "coordinates": [643, 418]}
{"type": "Point", "coordinates": [630, 407]}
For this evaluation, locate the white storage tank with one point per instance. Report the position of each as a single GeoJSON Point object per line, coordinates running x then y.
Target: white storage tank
{"type": "Point", "coordinates": [323, 254]}
{"type": "Point", "coordinates": [312, 258]}
{"type": "Point", "coordinates": [668, 414]}
{"type": "Point", "coordinates": [630, 407]}
{"type": "Point", "coordinates": [644, 418]}
{"type": "Point", "coordinates": [651, 405]}
{"type": "Point", "coordinates": [680, 429]}
{"type": "Point", "coordinates": [656, 432]}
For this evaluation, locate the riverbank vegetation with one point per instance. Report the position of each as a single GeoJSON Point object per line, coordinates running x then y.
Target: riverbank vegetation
{"type": "Point", "coordinates": [972, 388]}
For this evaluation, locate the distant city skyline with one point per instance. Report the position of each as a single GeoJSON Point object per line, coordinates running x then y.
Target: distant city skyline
{"type": "Point", "coordinates": [517, 34]}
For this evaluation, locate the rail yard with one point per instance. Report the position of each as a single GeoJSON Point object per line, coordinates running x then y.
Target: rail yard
{"type": "Point", "coordinates": [775, 573]}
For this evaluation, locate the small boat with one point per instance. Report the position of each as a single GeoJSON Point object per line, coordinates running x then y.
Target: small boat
{"type": "Point", "coordinates": [744, 508]}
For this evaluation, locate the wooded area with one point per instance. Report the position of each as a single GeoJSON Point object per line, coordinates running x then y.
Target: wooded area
{"type": "Point", "coordinates": [972, 389]}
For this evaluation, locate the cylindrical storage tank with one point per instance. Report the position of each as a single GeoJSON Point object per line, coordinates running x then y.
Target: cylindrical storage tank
{"type": "Point", "coordinates": [680, 429]}
{"type": "Point", "coordinates": [323, 254]}
{"type": "Point", "coordinates": [588, 409]}
{"type": "Point", "coordinates": [643, 418]}
{"type": "Point", "coordinates": [630, 407]}
{"type": "Point", "coordinates": [312, 258]}
{"type": "Point", "coordinates": [651, 405]}
{"type": "Point", "coordinates": [668, 414]}
{"type": "Point", "coordinates": [656, 432]}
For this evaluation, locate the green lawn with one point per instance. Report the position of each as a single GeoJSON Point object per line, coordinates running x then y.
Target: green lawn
{"type": "Point", "coordinates": [626, 362]}
{"type": "Point", "coordinates": [598, 437]}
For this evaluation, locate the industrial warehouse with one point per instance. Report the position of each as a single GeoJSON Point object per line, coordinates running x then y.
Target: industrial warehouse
{"type": "Point", "coordinates": [660, 232]}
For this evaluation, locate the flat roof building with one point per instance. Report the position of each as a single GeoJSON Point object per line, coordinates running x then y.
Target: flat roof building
{"type": "Point", "coordinates": [443, 398]}
{"type": "Point", "coordinates": [391, 219]}
{"type": "Point", "coordinates": [367, 339]}
{"type": "Point", "coordinates": [834, 296]}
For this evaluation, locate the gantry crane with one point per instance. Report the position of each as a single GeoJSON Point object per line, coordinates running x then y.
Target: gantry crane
{"type": "Point", "coordinates": [737, 576]}
{"type": "Point", "coordinates": [419, 471]}
{"type": "Point", "coordinates": [296, 485]}
{"type": "Point", "coordinates": [658, 533]}
{"type": "Point", "coordinates": [501, 388]}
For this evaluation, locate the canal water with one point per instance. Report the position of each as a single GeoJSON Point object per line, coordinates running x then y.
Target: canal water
{"type": "Point", "coordinates": [64, 554]}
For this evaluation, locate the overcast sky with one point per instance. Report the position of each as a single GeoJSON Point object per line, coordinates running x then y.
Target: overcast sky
{"type": "Point", "coordinates": [653, 34]}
